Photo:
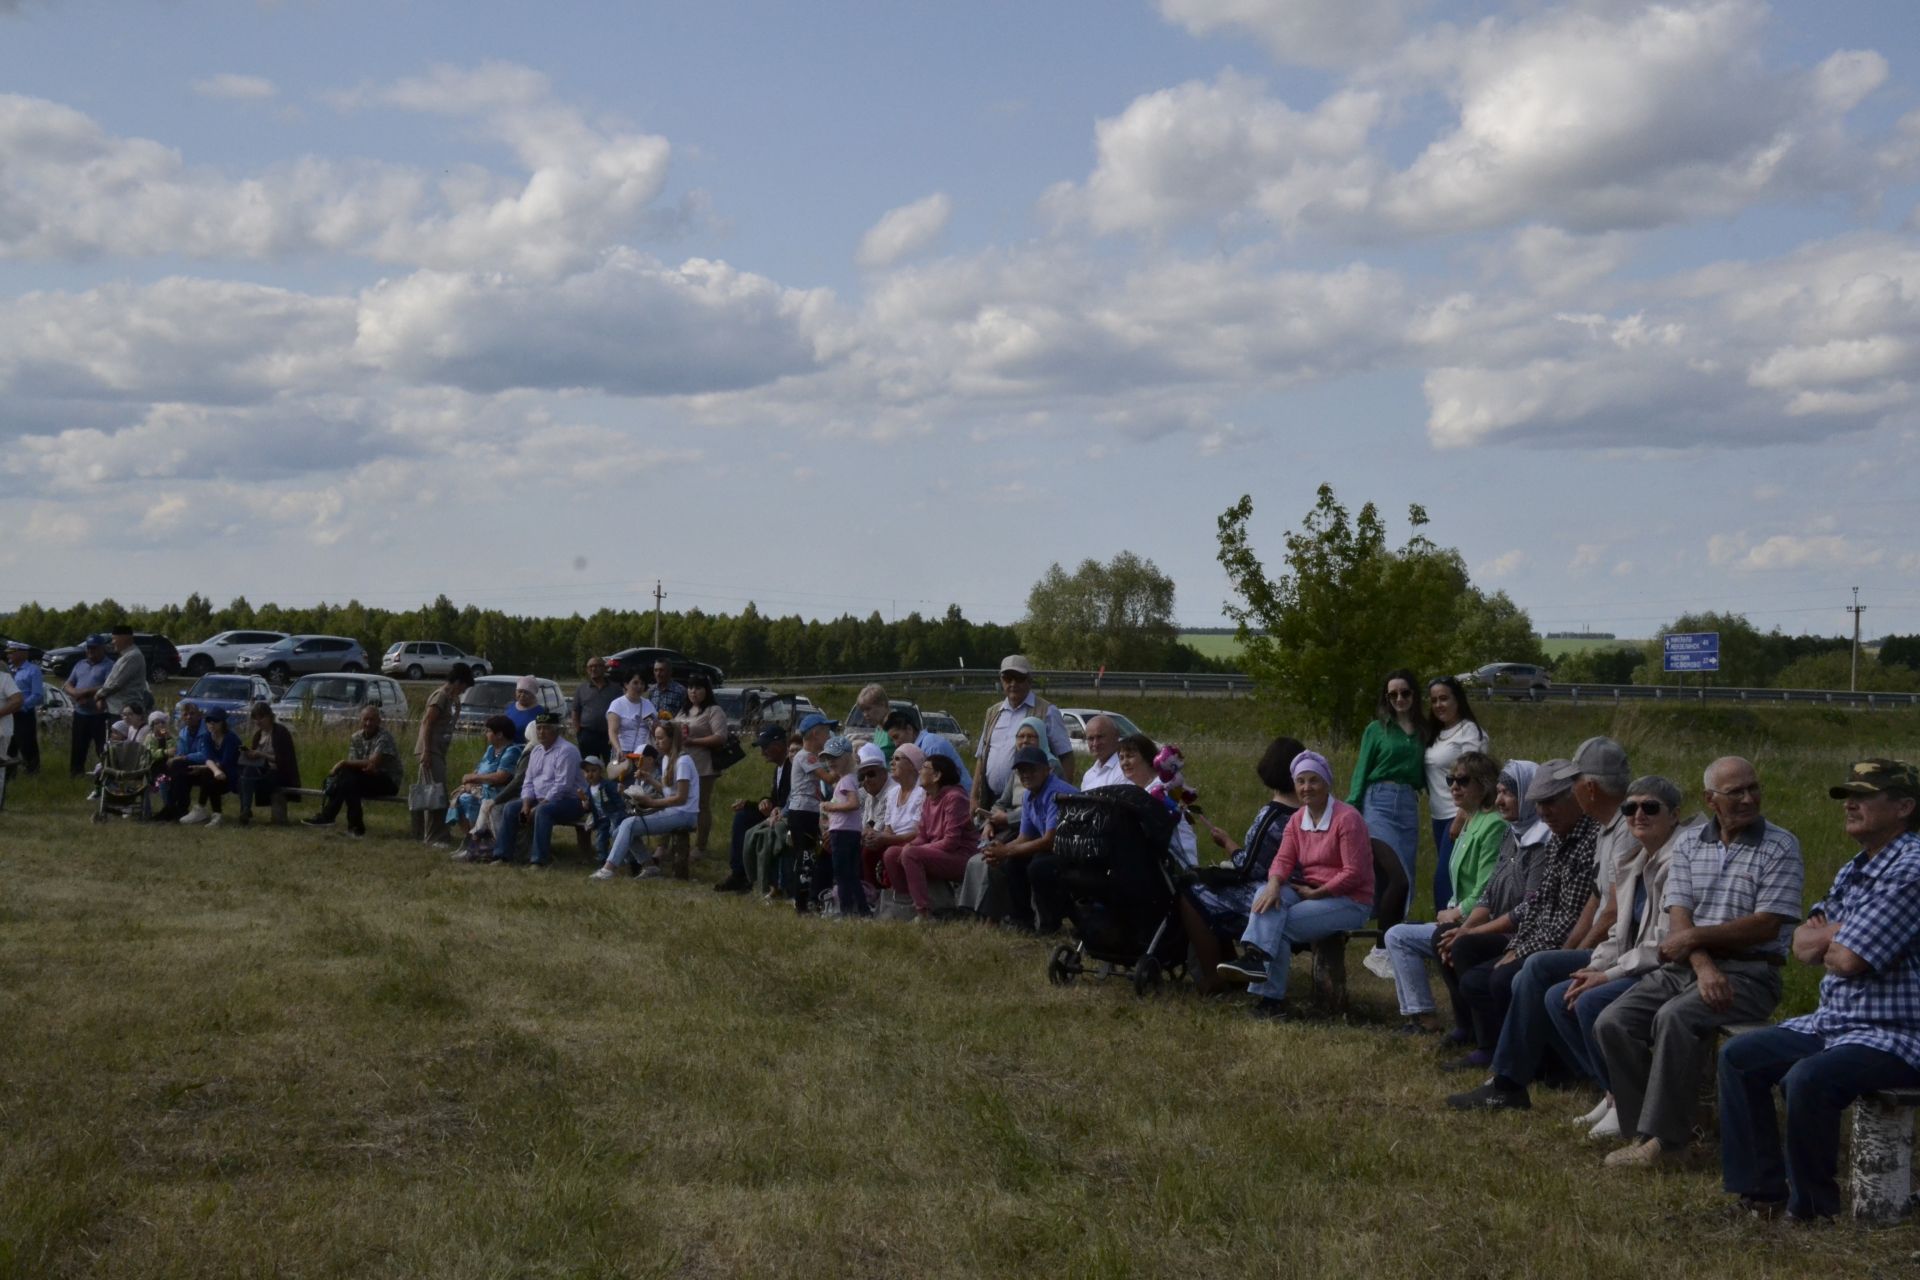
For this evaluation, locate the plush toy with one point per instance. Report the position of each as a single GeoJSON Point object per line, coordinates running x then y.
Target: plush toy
{"type": "Point", "coordinates": [1172, 786]}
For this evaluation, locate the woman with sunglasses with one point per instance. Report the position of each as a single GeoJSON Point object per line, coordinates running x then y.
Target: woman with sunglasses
{"type": "Point", "coordinates": [1475, 783]}
{"type": "Point", "coordinates": [1630, 951]}
{"type": "Point", "coordinates": [1388, 776]}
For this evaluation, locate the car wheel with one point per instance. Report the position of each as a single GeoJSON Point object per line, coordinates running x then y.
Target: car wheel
{"type": "Point", "coordinates": [277, 675]}
{"type": "Point", "coordinates": [1537, 694]}
{"type": "Point", "coordinates": [199, 665]}
{"type": "Point", "coordinates": [480, 671]}
{"type": "Point", "coordinates": [161, 673]}
{"type": "Point", "coordinates": [352, 668]}
{"type": "Point", "coordinates": [415, 672]}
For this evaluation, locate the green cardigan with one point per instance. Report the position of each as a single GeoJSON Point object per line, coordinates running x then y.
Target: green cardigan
{"type": "Point", "coordinates": [1387, 754]}
{"type": "Point", "coordinates": [1474, 856]}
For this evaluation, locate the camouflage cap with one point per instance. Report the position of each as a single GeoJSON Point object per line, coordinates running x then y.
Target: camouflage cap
{"type": "Point", "coordinates": [1869, 777]}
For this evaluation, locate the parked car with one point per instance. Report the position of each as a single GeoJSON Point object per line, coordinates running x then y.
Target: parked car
{"type": "Point", "coordinates": [163, 660]}
{"type": "Point", "coordinates": [303, 655]}
{"type": "Point", "coordinates": [742, 704]}
{"type": "Point", "coordinates": [1509, 679]}
{"type": "Point", "coordinates": [1076, 720]}
{"type": "Point", "coordinates": [421, 659]}
{"type": "Point", "coordinates": [620, 665]}
{"type": "Point", "coordinates": [492, 694]}
{"type": "Point", "coordinates": [221, 652]}
{"type": "Point", "coordinates": [232, 694]}
{"type": "Point", "coordinates": [786, 710]}
{"type": "Point", "coordinates": [939, 722]}
{"type": "Point", "coordinates": [56, 712]}
{"type": "Point", "coordinates": [336, 698]}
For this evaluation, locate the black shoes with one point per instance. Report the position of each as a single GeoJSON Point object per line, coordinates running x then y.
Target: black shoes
{"type": "Point", "coordinates": [1250, 963]}
{"type": "Point", "coordinates": [1492, 1096]}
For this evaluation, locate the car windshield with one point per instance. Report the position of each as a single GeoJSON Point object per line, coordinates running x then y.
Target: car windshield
{"type": "Point", "coordinates": [488, 695]}
{"type": "Point", "coordinates": [731, 701]}
{"type": "Point", "coordinates": [1126, 727]}
{"type": "Point", "coordinates": [332, 690]}
{"type": "Point", "coordinates": [228, 688]}
{"type": "Point", "coordinates": [941, 724]}
{"type": "Point", "coordinates": [283, 644]}
{"type": "Point", "coordinates": [396, 646]}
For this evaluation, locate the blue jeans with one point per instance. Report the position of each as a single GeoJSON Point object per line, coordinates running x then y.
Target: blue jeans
{"type": "Point", "coordinates": [1523, 1033]}
{"type": "Point", "coordinates": [1392, 811]}
{"type": "Point", "coordinates": [1442, 863]}
{"type": "Point", "coordinates": [642, 825]}
{"type": "Point", "coordinates": [1409, 947]}
{"type": "Point", "coordinates": [852, 895]}
{"type": "Point", "coordinates": [563, 808]}
{"type": "Point", "coordinates": [1573, 1028]}
{"type": "Point", "coordinates": [1819, 1084]}
{"type": "Point", "coordinates": [1291, 920]}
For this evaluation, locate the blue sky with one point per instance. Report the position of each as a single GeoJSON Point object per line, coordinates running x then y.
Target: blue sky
{"type": "Point", "coordinates": [852, 307]}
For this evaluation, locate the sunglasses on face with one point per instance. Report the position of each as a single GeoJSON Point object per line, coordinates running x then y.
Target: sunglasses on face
{"type": "Point", "coordinates": [1400, 695]}
{"type": "Point", "coordinates": [1458, 780]}
{"type": "Point", "coordinates": [1651, 808]}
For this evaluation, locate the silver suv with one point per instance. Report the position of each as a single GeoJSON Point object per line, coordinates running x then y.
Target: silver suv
{"type": "Point", "coordinates": [419, 659]}
{"type": "Point", "coordinates": [222, 652]}
{"type": "Point", "coordinates": [337, 699]}
{"type": "Point", "coordinates": [303, 655]}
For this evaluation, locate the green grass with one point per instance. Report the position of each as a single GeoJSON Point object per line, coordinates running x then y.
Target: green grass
{"type": "Point", "coordinates": [1558, 649]}
{"type": "Point", "coordinates": [1212, 646]}
{"type": "Point", "coordinates": [271, 1052]}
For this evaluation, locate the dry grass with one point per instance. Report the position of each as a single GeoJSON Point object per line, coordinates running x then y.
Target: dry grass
{"type": "Point", "coordinates": [278, 1053]}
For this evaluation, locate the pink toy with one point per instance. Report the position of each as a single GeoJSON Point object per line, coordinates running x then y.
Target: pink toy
{"type": "Point", "coordinates": [1172, 787]}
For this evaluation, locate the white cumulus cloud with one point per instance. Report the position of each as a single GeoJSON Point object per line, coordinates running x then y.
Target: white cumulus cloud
{"type": "Point", "coordinates": [232, 85]}
{"type": "Point", "coordinates": [1317, 33]}
{"type": "Point", "coordinates": [905, 231]}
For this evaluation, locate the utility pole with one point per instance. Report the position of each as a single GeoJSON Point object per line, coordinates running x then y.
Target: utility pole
{"type": "Point", "coordinates": [1853, 674]}
{"type": "Point", "coordinates": [658, 595]}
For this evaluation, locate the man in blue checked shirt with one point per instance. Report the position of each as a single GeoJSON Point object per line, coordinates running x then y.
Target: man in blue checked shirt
{"type": "Point", "coordinates": [1866, 1033]}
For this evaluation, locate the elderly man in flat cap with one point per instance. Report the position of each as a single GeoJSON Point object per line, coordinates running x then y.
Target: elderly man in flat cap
{"type": "Point", "coordinates": [1864, 1036]}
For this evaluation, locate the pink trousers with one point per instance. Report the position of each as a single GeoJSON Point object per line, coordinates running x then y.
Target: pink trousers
{"type": "Point", "coordinates": [912, 865]}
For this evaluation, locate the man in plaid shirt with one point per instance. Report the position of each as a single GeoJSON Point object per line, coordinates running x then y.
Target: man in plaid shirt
{"type": "Point", "coordinates": [1865, 1034]}
{"type": "Point", "coordinates": [1733, 896]}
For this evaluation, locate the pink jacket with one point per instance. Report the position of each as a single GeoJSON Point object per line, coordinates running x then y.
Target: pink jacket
{"type": "Point", "coordinates": [1339, 859]}
{"type": "Point", "coordinates": [946, 823]}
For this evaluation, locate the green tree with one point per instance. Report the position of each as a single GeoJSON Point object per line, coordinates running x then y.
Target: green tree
{"type": "Point", "coordinates": [1348, 608]}
{"type": "Point", "coordinates": [1117, 615]}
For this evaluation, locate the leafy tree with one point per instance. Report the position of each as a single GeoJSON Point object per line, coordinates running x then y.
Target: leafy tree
{"type": "Point", "coordinates": [1349, 608]}
{"type": "Point", "coordinates": [1600, 665]}
{"type": "Point", "coordinates": [1117, 615]}
{"type": "Point", "coordinates": [1901, 651]}
{"type": "Point", "coordinates": [1832, 670]}
{"type": "Point", "coordinates": [1749, 657]}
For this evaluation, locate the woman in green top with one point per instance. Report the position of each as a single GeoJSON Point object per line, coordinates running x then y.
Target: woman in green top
{"type": "Point", "coordinates": [1389, 775]}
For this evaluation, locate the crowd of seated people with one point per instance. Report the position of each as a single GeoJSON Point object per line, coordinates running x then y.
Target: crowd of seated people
{"type": "Point", "coordinates": [1590, 931]}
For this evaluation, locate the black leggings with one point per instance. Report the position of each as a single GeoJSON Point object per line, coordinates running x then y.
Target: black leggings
{"type": "Point", "coordinates": [349, 787]}
{"type": "Point", "coordinates": [1465, 984]}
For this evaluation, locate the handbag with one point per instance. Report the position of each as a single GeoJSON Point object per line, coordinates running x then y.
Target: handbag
{"type": "Point", "coordinates": [728, 754]}
{"type": "Point", "coordinates": [428, 796]}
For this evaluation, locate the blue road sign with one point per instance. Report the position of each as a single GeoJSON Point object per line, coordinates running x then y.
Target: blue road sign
{"type": "Point", "coordinates": [1693, 651]}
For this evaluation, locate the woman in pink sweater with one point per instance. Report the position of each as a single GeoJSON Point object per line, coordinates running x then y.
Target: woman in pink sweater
{"type": "Point", "coordinates": [1321, 883]}
{"type": "Point", "coordinates": [946, 839]}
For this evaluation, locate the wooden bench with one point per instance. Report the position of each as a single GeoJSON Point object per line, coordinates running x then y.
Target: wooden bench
{"type": "Point", "coordinates": [283, 796]}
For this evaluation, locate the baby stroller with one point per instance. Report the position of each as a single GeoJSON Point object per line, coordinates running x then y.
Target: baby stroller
{"type": "Point", "coordinates": [1117, 869]}
{"type": "Point", "coordinates": [124, 782]}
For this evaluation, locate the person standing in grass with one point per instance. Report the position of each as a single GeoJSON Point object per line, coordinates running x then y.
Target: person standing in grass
{"type": "Point", "coordinates": [842, 811]}
{"type": "Point", "coordinates": [1475, 785]}
{"type": "Point", "coordinates": [1320, 883]}
{"type": "Point", "coordinates": [126, 682]}
{"type": "Point", "coordinates": [1452, 731]}
{"type": "Point", "coordinates": [1865, 1035]}
{"type": "Point", "coordinates": [803, 808]}
{"type": "Point", "coordinates": [587, 710]}
{"type": "Point", "coordinates": [430, 750]}
{"type": "Point", "coordinates": [703, 728]}
{"type": "Point", "coordinates": [1388, 776]}
{"type": "Point", "coordinates": [10, 700]}
{"type": "Point", "coordinates": [90, 716]}
{"type": "Point", "coordinates": [874, 709]}
{"type": "Point", "coordinates": [26, 721]}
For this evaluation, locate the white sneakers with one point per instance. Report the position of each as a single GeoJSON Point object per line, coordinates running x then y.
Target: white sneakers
{"type": "Point", "coordinates": [1378, 964]}
{"type": "Point", "coordinates": [1592, 1117]}
{"type": "Point", "coordinates": [1608, 1127]}
{"type": "Point", "coordinates": [197, 816]}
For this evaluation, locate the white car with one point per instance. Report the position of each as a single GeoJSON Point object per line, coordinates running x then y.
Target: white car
{"type": "Point", "coordinates": [1076, 719]}
{"type": "Point", "coordinates": [945, 726]}
{"type": "Point", "coordinates": [222, 652]}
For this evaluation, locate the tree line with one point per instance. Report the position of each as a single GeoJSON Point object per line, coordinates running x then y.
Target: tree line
{"type": "Point", "coordinates": [1753, 659]}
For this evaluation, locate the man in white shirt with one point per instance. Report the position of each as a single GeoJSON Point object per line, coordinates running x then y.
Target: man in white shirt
{"type": "Point", "coordinates": [1103, 741]}
{"type": "Point", "coordinates": [10, 701]}
{"type": "Point", "coordinates": [994, 756]}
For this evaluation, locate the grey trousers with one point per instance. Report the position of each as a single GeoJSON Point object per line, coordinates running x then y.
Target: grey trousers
{"type": "Point", "coordinates": [1656, 1039]}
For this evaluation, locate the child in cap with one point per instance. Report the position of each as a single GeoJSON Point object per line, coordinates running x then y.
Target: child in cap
{"type": "Point", "coordinates": [843, 827]}
{"type": "Point", "coordinates": [601, 798]}
{"type": "Point", "coordinates": [877, 789]}
{"type": "Point", "coordinates": [803, 809]}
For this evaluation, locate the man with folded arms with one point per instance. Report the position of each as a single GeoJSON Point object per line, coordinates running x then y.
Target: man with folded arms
{"type": "Point", "coordinates": [550, 795]}
{"type": "Point", "coordinates": [1733, 895]}
{"type": "Point", "coordinates": [1866, 1033]}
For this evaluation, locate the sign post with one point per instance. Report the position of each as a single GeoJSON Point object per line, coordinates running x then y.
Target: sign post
{"type": "Point", "coordinates": [1692, 651]}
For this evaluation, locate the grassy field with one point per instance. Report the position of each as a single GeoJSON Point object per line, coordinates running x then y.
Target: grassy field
{"type": "Point", "coordinates": [1212, 646]}
{"type": "Point", "coordinates": [280, 1053]}
{"type": "Point", "coordinates": [1558, 649]}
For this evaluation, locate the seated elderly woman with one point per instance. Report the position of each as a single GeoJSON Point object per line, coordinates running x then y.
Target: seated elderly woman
{"type": "Point", "coordinates": [1320, 883]}
{"type": "Point", "coordinates": [494, 771]}
{"type": "Point", "coordinates": [1214, 909]}
{"type": "Point", "coordinates": [269, 763]}
{"type": "Point", "coordinates": [944, 843]}
{"type": "Point", "coordinates": [1487, 801]}
{"type": "Point", "coordinates": [1136, 764]}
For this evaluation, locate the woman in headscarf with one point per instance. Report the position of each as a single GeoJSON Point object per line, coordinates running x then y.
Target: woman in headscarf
{"type": "Point", "coordinates": [1479, 790]}
{"type": "Point", "coordinates": [1320, 883]}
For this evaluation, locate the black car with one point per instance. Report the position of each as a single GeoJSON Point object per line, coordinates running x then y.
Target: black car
{"type": "Point", "coordinates": [624, 663]}
{"type": "Point", "coordinates": [163, 660]}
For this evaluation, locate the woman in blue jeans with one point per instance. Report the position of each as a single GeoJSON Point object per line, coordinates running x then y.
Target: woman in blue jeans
{"type": "Point", "coordinates": [677, 808]}
{"type": "Point", "coordinates": [1320, 883]}
{"type": "Point", "coordinates": [1388, 775]}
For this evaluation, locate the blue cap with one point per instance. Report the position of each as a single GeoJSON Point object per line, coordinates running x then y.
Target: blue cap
{"type": "Point", "coordinates": [98, 640]}
{"type": "Point", "coordinates": [838, 745]}
{"type": "Point", "coordinates": [814, 720]}
{"type": "Point", "coordinates": [769, 735]}
{"type": "Point", "coordinates": [1030, 755]}
{"type": "Point", "coordinates": [216, 715]}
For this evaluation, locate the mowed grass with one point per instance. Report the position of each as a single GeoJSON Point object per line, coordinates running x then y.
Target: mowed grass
{"type": "Point", "coordinates": [1211, 645]}
{"type": "Point", "coordinates": [274, 1052]}
{"type": "Point", "coordinates": [1559, 648]}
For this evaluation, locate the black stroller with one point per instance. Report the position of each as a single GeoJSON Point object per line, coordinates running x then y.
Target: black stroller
{"type": "Point", "coordinates": [1117, 870]}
